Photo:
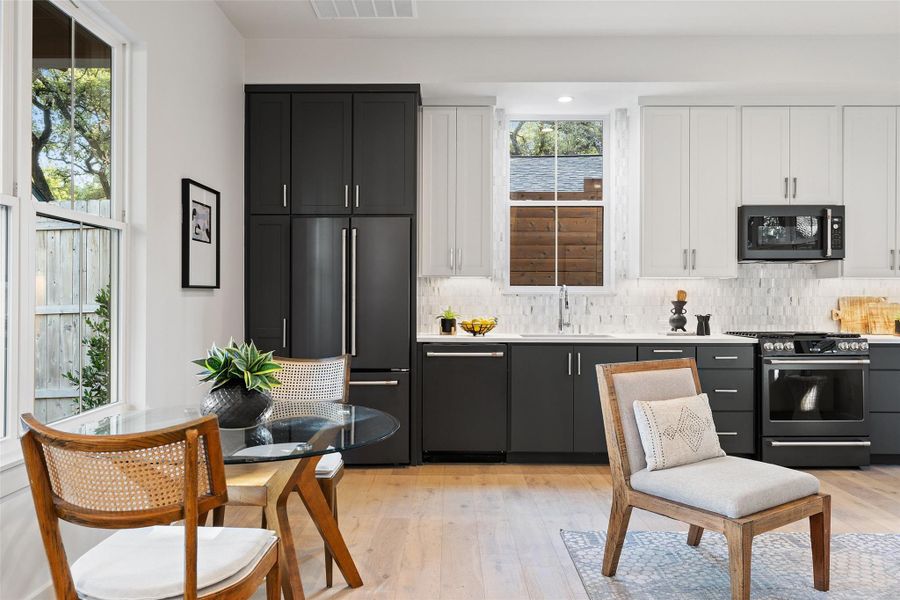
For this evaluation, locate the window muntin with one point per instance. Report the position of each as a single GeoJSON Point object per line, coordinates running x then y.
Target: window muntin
{"type": "Point", "coordinates": [4, 315]}
{"type": "Point", "coordinates": [556, 203]}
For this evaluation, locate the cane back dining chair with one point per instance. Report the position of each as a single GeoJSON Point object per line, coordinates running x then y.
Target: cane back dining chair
{"type": "Point", "coordinates": [140, 484]}
{"type": "Point", "coordinates": [738, 497]}
{"type": "Point", "coordinates": [325, 380]}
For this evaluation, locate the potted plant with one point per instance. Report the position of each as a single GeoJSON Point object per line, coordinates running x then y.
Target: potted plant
{"type": "Point", "coordinates": [242, 377]}
{"type": "Point", "coordinates": [448, 321]}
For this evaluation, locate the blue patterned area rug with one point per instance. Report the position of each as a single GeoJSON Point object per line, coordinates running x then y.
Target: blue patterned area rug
{"type": "Point", "coordinates": [660, 564]}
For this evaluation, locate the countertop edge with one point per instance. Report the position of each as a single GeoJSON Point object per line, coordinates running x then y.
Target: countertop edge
{"type": "Point", "coordinates": [614, 338]}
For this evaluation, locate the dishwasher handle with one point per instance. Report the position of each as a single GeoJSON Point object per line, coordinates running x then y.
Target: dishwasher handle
{"type": "Point", "coordinates": [464, 354]}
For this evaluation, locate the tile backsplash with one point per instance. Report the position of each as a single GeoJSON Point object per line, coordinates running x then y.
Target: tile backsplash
{"type": "Point", "coordinates": [763, 296]}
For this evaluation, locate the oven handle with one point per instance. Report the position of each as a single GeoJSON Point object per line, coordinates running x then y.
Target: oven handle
{"type": "Point", "coordinates": [776, 444]}
{"type": "Point", "coordinates": [807, 361]}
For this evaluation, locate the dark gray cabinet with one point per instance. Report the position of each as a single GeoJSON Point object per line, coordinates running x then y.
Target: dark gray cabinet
{"type": "Point", "coordinates": [541, 409]}
{"type": "Point", "coordinates": [268, 153]}
{"type": "Point", "coordinates": [884, 400]}
{"type": "Point", "coordinates": [389, 392]}
{"type": "Point", "coordinates": [464, 398]}
{"type": "Point", "coordinates": [588, 417]}
{"type": "Point", "coordinates": [322, 139]}
{"type": "Point", "coordinates": [384, 153]}
{"type": "Point", "coordinates": [268, 283]}
{"type": "Point", "coordinates": [729, 389]}
{"type": "Point", "coordinates": [666, 352]}
{"type": "Point", "coordinates": [735, 431]}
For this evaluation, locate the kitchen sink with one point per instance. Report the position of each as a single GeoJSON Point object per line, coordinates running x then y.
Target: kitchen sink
{"type": "Point", "coordinates": [566, 335]}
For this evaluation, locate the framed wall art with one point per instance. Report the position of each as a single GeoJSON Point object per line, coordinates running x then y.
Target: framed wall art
{"type": "Point", "coordinates": [200, 243]}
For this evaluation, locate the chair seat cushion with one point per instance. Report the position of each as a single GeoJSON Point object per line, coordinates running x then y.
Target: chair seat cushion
{"type": "Point", "coordinates": [329, 465]}
{"type": "Point", "coordinates": [148, 563]}
{"type": "Point", "coordinates": [728, 485]}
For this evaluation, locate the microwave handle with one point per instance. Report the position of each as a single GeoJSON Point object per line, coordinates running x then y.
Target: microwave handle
{"type": "Point", "coordinates": [828, 222]}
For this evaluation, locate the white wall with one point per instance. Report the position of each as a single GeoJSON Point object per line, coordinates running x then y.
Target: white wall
{"type": "Point", "coordinates": [188, 122]}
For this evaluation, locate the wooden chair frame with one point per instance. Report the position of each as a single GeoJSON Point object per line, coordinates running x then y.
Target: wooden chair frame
{"type": "Point", "coordinates": [50, 507]}
{"type": "Point", "coordinates": [739, 532]}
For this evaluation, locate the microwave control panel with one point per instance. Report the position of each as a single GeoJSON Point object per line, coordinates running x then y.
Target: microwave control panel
{"type": "Point", "coordinates": [837, 233]}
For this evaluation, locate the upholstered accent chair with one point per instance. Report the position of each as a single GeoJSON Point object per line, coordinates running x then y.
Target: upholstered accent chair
{"type": "Point", "coordinates": [139, 485]}
{"type": "Point", "coordinates": [738, 497]}
{"type": "Point", "coordinates": [324, 380]}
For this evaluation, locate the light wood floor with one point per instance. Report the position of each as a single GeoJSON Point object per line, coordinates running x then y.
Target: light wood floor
{"type": "Point", "coordinates": [491, 532]}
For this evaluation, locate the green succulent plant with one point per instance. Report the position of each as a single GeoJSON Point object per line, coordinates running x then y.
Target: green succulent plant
{"type": "Point", "coordinates": [448, 313]}
{"type": "Point", "coordinates": [242, 363]}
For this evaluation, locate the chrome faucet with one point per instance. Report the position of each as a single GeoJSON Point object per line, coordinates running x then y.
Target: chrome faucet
{"type": "Point", "coordinates": [564, 304]}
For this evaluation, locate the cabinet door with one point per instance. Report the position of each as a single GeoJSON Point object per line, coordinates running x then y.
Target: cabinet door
{"type": "Point", "coordinates": [765, 155]}
{"type": "Point", "coordinates": [380, 261]}
{"type": "Point", "coordinates": [268, 153]}
{"type": "Point", "coordinates": [473, 191]}
{"type": "Point", "coordinates": [588, 418]}
{"type": "Point", "coordinates": [269, 283]}
{"type": "Point", "coordinates": [541, 399]}
{"type": "Point", "coordinates": [388, 392]}
{"type": "Point", "coordinates": [384, 154]}
{"type": "Point", "coordinates": [319, 283]}
{"type": "Point", "coordinates": [815, 155]}
{"type": "Point", "coordinates": [713, 192]}
{"type": "Point", "coordinates": [665, 191]}
{"type": "Point", "coordinates": [321, 140]}
{"type": "Point", "coordinates": [437, 208]}
{"type": "Point", "coordinates": [870, 191]}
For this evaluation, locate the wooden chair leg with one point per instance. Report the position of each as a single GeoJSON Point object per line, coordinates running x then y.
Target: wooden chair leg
{"type": "Point", "coordinates": [273, 582]}
{"type": "Point", "coordinates": [740, 544]}
{"type": "Point", "coordinates": [694, 535]}
{"type": "Point", "coordinates": [820, 536]}
{"type": "Point", "coordinates": [329, 490]}
{"type": "Point", "coordinates": [619, 515]}
{"type": "Point", "coordinates": [219, 516]}
{"type": "Point", "coordinates": [201, 519]}
{"type": "Point", "coordinates": [264, 523]}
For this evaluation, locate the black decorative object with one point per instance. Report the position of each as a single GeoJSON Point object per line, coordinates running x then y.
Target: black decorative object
{"type": "Point", "coordinates": [200, 243]}
{"type": "Point", "coordinates": [896, 326]}
{"type": "Point", "coordinates": [678, 319]}
{"type": "Point", "coordinates": [702, 324]}
{"type": "Point", "coordinates": [235, 405]}
{"type": "Point", "coordinates": [448, 326]}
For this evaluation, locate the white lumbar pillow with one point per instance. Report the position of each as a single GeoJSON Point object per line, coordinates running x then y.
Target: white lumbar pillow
{"type": "Point", "coordinates": [677, 432]}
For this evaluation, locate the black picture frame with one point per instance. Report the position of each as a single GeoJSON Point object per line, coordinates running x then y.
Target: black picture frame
{"type": "Point", "coordinates": [189, 245]}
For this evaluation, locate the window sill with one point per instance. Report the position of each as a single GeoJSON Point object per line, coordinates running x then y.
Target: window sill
{"type": "Point", "coordinates": [528, 290]}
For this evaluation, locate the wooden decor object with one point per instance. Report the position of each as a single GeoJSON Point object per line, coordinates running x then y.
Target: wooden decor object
{"type": "Point", "coordinates": [739, 532]}
{"type": "Point", "coordinates": [853, 313]}
{"type": "Point", "coordinates": [131, 481]}
{"type": "Point", "coordinates": [882, 316]}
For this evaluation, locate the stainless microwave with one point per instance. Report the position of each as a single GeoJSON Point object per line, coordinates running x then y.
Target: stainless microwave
{"type": "Point", "coordinates": [790, 233]}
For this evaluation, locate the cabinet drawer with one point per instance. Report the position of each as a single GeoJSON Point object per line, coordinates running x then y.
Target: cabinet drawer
{"type": "Point", "coordinates": [885, 357]}
{"type": "Point", "coordinates": [725, 357]}
{"type": "Point", "coordinates": [884, 391]}
{"type": "Point", "coordinates": [735, 431]}
{"type": "Point", "coordinates": [388, 392]}
{"type": "Point", "coordinates": [883, 433]}
{"type": "Point", "coordinates": [728, 389]}
{"type": "Point", "coordinates": [666, 351]}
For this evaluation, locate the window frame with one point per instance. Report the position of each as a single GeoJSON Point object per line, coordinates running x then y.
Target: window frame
{"type": "Point", "coordinates": [608, 288]}
{"type": "Point", "coordinates": [25, 210]}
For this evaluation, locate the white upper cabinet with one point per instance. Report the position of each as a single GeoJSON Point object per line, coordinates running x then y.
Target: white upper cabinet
{"type": "Point", "coordinates": [791, 155]}
{"type": "Point", "coordinates": [713, 191]}
{"type": "Point", "coordinates": [870, 192]}
{"type": "Point", "coordinates": [455, 201]}
{"type": "Point", "coordinates": [815, 155]}
{"type": "Point", "coordinates": [765, 149]}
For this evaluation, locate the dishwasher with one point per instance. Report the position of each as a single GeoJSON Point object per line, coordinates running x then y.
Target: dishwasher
{"type": "Point", "coordinates": [464, 399]}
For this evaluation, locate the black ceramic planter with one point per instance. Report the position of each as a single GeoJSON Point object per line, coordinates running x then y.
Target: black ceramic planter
{"type": "Point", "coordinates": [236, 406]}
{"type": "Point", "coordinates": [448, 326]}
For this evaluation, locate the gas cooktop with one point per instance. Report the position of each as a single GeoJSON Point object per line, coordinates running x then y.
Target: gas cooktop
{"type": "Point", "coordinates": [793, 334]}
{"type": "Point", "coordinates": [795, 343]}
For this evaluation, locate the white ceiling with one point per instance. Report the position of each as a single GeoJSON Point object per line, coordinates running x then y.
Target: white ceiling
{"type": "Point", "coordinates": [275, 19]}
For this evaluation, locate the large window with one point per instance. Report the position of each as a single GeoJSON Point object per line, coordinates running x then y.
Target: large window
{"type": "Point", "coordinates": [73, 185]}
{"type": "Point", "coordinates": [556, 198]}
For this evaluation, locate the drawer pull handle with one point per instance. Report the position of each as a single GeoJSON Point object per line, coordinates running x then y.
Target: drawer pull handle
{"type": "Point", "coordinates": [465, 354]}
{"type": "Point", "coordinates": [726, 357]}
{"type": "Point", "coordinates": [657, 351]}
{"type": "Point", "coordinates": [726, 391]}
{"type": "Point", "coordinates": [776, 443]}
{"type": "Point", "coordinates": [728, 433]}
{"type": "Point", "coordinates": [384, 382]}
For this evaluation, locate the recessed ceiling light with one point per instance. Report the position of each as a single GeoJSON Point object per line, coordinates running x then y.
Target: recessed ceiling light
{"type": "Point", "coordinates": [565, 99]}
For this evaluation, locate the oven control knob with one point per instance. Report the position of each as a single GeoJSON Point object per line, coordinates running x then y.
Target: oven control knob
{"type": "Point", "coordinates": [768, 346]}
{"type": "Point", "coordinates": [864, 345]}
{"type": "Point", "coordinates": [779, 346]}
{"type": "Point", "coordinates": [843, 346]}
{"type": "Point", "coordinates": [854, 346]}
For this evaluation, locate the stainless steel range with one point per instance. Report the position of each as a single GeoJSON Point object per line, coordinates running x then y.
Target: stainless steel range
{"type": "Point", "coordinates": [812, 401]}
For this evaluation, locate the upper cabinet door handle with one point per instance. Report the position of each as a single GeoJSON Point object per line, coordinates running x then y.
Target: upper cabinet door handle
{"type": "Point", "coordinates": [794, 195]}
{"type": "Point", "coordinates": [346, 196]}
{"type": "Point", "coordinates": [785, 188]}
{"type": "Point", "coordinates": [356, 196]}
{"type": "Point", "coordinates": [893, 259]}
{"type": "Point", "coordinates": [693, 260]}
{"type": "Point", "coordinates": [284, 195]}
{"type": "Point", "coordinates": [684, 260]}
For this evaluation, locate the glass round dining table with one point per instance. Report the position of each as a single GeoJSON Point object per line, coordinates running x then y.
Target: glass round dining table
{"type": "Point", "coordinates": [268, 461]}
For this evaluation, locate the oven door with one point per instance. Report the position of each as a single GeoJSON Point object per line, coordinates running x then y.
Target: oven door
{"type": "Point", "coordinates": [791, 233]}
{"type": "Point", "coordinates": [815, 396]}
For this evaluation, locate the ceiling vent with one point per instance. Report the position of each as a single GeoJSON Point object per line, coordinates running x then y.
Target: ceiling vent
{"type": "Point", "coordinates": [364, 9]}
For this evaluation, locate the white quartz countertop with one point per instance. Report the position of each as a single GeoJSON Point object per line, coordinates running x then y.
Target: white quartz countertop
{"type": "Point", "coordinates": [883, 339]}
{"type": "Point", "coordinates": [501, 337]}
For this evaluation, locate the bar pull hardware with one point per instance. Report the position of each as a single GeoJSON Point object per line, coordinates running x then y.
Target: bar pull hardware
{"type": "Point", "coordinates": [452, 254]}
{"type": "Point", "coordinates": [794, 195]}
{"type": "Point", "coordinates": [658, 351]}
{"type": "Point", "coordinates": [785, 188]}
{"type": "Point", "coordinates": [726, 357]}
{"type": "Point", "coordinates": [344, 290]}
{"type": "Point", "coordinates": [684, 260]}
{"type": "Point", "coordinates": [725, 391]}
{"type": "Point", "coordinates": [353, 280]}
{"type": "Point", "coordinates": [728, 433]}
{"type": "Point", "coordinates": [284, 332]}
{"type": "Point", "coordinates": [346, 196]}
{"type": "Point", "coordinates": [459, 259]}
{"type": "Point", "coordinates": [693, 259]}
{"type": "Point", "coordinates": [284, 195]}
{"type": "Point", "coordinates": [383, 382]}
{"type": "Point", "coordinates": [828, 219]}
{"type": "Point", "coordinates": [801, 361]}
{"type": "Point", "coordinates": [464, 354]}
{"type": "Point", "coordinates": [578, 365]}
{"type": "Point", "coordinates": [570, 363]}
{"type": "Point", "coordinates": [893, 259]}
{"type": "Point", "coordinates": [776, 443]}
{"type": "Point", "coordinates": [356, 196]}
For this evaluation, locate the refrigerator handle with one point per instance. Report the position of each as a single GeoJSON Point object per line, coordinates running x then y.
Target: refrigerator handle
{"type": "Point", "coordinates": [343, 290]}
{"type": "Point", "coordinates": [353, 283]}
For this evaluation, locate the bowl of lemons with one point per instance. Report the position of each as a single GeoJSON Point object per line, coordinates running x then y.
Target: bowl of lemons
{"type": "Point", "coordinates": [479, 326]}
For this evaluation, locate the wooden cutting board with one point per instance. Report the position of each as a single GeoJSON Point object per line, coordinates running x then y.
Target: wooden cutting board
{"type": "Point", "coordinates": [853, 313]}
{"type": "Point", "coordinates": [882, 316]}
